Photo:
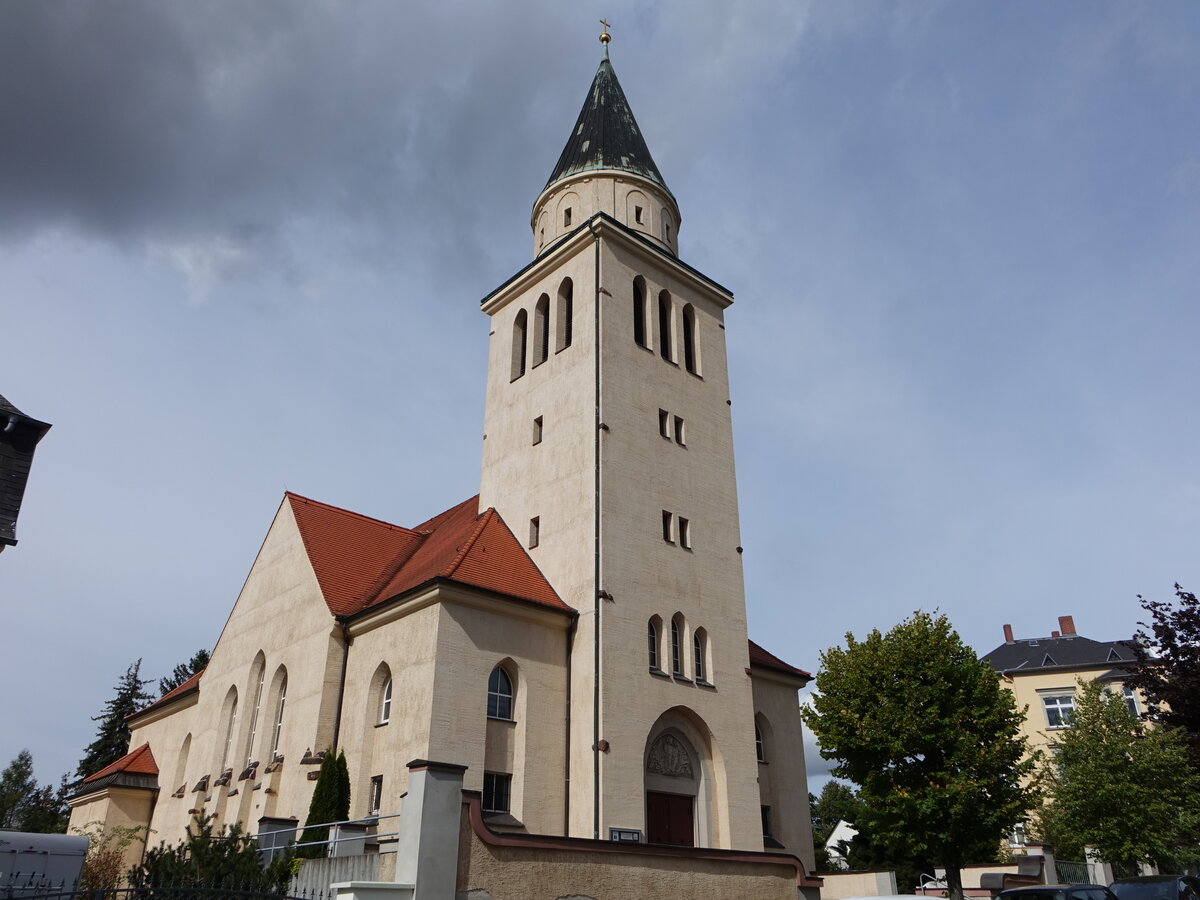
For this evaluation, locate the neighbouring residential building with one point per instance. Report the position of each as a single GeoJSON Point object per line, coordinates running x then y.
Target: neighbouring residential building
{"type": "Point", "coordinates": [1042, 673]}
{"type": "Point", "coordinates": [570, 643]}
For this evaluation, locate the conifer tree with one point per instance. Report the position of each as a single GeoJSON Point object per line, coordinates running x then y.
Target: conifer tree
{"type": "Point", "coordinates": [330, 803]}
{"type": "Point", "coordinates": [112, 735]}
{"type": "Point", "coordinates": [183, 672]}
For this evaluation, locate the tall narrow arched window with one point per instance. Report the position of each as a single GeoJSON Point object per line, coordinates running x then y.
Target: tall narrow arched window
{"type": "Point", "coordinates": [385, 705]}
{"type": "Point", "coordinates": [565, 314]}
{"type": "Point", "coordinates": [652, 641]}
{"type": "Point", "coordinates": [639, 311]}
{"type": "Point", "coordinates": [665, 344]}
{"type": "Point", "coordinates": [760, 746]}
{"type": "Point", "coordinates": [230, 713]}
{"type": "Point", "coordinates": [541, 330]}
{"type": "Point", "coordinates": [258, 674]}
{"type": "Point", "coordinates": [279, 705]}
{"type": "Point", "coordinates": [691, 345]}
{"type": "Point", "coordinates": [677, 645]}
{"type": "Point", "coordinates": [500, 695]}
{"type": "Point", "coordinates": [698, 660]}
{"type": "Point", "coordinates": [519, 338]}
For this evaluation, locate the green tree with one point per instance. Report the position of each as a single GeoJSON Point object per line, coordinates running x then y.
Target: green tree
{"type": "Point", "coordinates": [26, 806]}
{"type": "Point", "coordinates": [112, 735]}
{"type": "Point", "coordinates": [16, 785]}
{"type": "Point", "coordinates": [330, 803]}
{"type": "Point", "coordinates": [207, 857]}
{"type": "Point", "coordinates": [1120, 786]}
{"type": "Point", "coordinates": [930, 737]}
{"type": "Point", "coordinates": [1167, 670]}
{"type": "Point", "coordinates": [183, 672]}
{"type": "Point", "coordinates": [46, 811]}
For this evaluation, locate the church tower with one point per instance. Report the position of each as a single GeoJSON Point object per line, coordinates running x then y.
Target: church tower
{"type": "Point", "coordinates": [608, 449]}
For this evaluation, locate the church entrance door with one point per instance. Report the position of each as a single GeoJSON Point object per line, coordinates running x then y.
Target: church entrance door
{"type": "Point", "coordinates": [670, 819]}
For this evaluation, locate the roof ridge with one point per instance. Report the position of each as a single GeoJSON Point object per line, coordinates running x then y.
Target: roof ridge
{"type": "Point", "coordinates": [292, 495]}
{"type": "Point", "coordinates": [483, 519]}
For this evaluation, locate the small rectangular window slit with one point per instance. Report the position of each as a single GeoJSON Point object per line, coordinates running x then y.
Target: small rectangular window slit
{"type": "Point", "coordinates": [668, 523]}
{"type": "Point", "coordinates": [685, 533]}
{"type": "Point", "coordinates": [679, 432]}
{"type": "Point", "coordinates": [664, 423]}
{"type": "Point", "coordinates": [537, 430]}
{"type": "Point", "coordinates": [535, 531]}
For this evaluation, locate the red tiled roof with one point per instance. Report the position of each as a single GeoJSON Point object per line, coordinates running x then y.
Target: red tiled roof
{"type": "Point", "coordinates": [760, 657]}
{"type": "Point", "coordinates": [187, 687]}
{"type": "Point", "coordinates": [139, 762]}
{"type": "Point", "coordinates": [361, 562]}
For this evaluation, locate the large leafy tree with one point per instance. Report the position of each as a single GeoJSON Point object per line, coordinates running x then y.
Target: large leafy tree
{"type": "Point", "coordinates": [1120, 786]}
{"type": "Point", "coordinates": [112, 734]}
{"type": "Point", "coordinates": [183, 672]}
{"type": "Point", "coordinates": [1167, 670]}
{"type": "Point", "coordinates": [930, 737]}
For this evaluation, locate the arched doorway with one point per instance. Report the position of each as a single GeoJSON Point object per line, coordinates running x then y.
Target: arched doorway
{"type": "Point", "coordinates": [679, 778]}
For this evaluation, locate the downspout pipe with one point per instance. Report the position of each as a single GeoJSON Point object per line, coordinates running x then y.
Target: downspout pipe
{"type": "Point", "coordinates": [596, 544]}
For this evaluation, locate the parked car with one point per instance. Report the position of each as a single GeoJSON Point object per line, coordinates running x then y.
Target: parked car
{"type": "Point", "coordinates": [1157, 887]}
{"type": "Point", "coordinates": [1058, 892]}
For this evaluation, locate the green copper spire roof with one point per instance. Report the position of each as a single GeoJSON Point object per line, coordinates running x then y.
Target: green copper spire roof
{"type": "Point", "coordinates": [606, 136]}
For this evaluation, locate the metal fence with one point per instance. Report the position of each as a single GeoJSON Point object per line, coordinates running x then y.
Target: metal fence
{"type": "Point", "coordinates": [1071, 872]}
{"type": "Point", "coordinates": [160, 892]}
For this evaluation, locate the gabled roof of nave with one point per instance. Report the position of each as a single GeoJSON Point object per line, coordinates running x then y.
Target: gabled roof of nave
{"type": "Point", "coordinates": [606, 135]}
{"type": "Point", "coordinates": [361, 562]}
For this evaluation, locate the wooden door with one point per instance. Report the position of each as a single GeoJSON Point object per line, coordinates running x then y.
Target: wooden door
{"type": "Point", "coordinates": [670, 819]}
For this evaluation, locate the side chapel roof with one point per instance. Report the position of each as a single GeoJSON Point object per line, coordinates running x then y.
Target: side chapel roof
{"type": "Point", "coordinates": [135, 762]}
{"type": "Point", "coordinates": [606, 135]}
{"type": "Point", "coordinates": [361, 562]}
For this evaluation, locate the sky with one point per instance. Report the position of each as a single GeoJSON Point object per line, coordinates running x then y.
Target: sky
{"type": "Point", "coordinates": [242, 248]}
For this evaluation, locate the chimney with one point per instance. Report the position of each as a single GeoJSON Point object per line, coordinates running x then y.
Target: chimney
{"type": "Point", "coordinates": [1008, 636]}
{"type": "Point", "coordinates": [1055, 634]}
{"type": "Point", "coordinates": [1067, 624]}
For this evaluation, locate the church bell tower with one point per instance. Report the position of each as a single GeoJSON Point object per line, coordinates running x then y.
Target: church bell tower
{"type": "Point", "coordinates": [608, 450]}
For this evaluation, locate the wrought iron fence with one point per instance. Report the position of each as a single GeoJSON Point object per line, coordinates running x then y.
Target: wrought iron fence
{"type": "Point", "coordinates": [1071, 872]}
{"type": "Point", "coordinates": [179, 891]}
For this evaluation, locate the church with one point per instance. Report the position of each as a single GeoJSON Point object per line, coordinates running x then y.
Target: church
{"type": "Point", "coordinates": [573, 639]}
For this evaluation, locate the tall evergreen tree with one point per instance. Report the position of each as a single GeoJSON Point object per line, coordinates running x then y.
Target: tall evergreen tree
{"type": "Point", "coordinates": [112, 735]}
{"type": "Point", "coordinates": [183, 672]}
{"type": "Point", "coordinates": [330, 803]}
{"type": "Point", "coordinates": [16, 785]}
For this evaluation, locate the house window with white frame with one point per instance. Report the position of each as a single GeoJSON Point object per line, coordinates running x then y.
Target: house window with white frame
{"type": "Point", "coordinates": [1060, 708]}
{"type": "Point", "coordinates": [1131, 699]}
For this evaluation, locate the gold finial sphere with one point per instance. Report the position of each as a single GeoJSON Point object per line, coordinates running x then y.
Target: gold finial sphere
{"type": "Point", "coordinates": [605, 37]}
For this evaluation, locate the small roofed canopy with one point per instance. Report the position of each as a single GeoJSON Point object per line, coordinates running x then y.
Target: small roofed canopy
{"type": "Point", "coordinates": [19, 437]}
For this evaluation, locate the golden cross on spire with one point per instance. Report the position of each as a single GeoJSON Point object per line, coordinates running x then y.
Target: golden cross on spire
{"type": "Point", "coordinates": [605, 37]}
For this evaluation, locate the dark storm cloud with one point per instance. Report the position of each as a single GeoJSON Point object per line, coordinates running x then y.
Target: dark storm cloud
{"type": "Point", "coordinates": [141, 121]}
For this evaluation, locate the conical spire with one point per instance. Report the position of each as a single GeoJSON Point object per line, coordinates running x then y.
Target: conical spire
{"type": "Point", "coordinates": [606, 135]}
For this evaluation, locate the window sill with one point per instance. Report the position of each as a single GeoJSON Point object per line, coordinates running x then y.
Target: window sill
{"type": "Point", "coordinates": [682, 679]}
{"type": "Point", "coordinates": [700, 682]}
{"type": "Point", "coordinates": [382, 724]}
{"type": "Point", "coordinates": [498, 719]}
{"type": "Point", "coordinates": [503, 819]}
{"type": "Point", "coordinates": [538, 363]}
{"type": "Point", "coordinates": [658, 673]}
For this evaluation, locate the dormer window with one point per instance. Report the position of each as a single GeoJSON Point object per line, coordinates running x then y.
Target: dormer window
{"type": "Point", "coordinates": [567, 217]}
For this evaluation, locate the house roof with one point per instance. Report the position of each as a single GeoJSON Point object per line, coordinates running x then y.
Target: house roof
{"type": "Point", "coordinates": [136, 762]}
{"type": "Point", "coordinates": [192, 684]}
{"type": "Point", "coordinates": [768, 660]}
{"type": "Point", "coordinates": [606, 136]}
{"type": "Point", "coordinates": [1068, 651]}
{"type": "Point", "coordinates": [361, 562]}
